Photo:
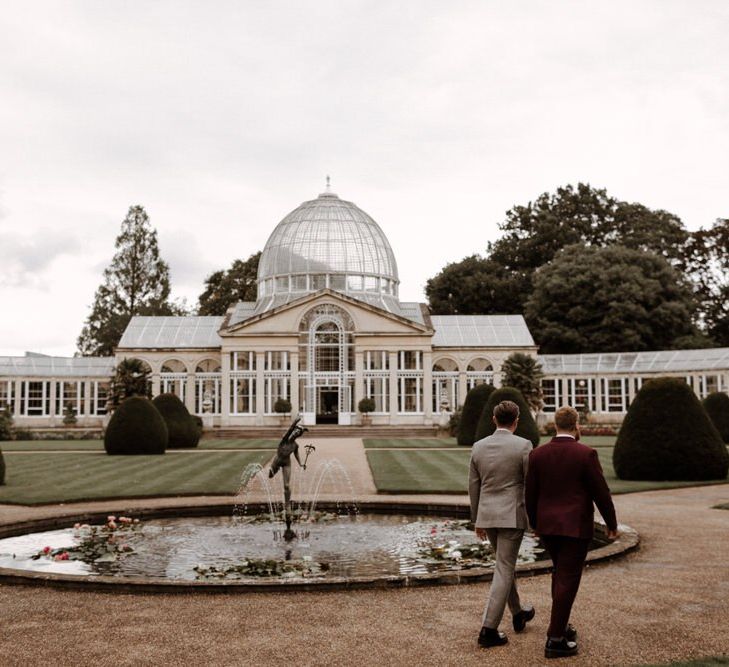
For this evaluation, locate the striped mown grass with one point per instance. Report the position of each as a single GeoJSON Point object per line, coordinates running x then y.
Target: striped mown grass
{"type": "Point", "coordinates": [419, 471]}
{"type": "Point", "coordinates": [431, 471]}
{"type": "Point", "coordinates": [415, 443]}
{"type": "Point", "coordinates": [38, 478]}
{"type": "Point", "coordinates": [98, 445]}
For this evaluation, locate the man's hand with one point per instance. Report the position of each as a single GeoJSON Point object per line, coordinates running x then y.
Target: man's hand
{"type": "Point", "coordinates": [481, 533]}
{"type": "Point", "coordinates": [612, 534]}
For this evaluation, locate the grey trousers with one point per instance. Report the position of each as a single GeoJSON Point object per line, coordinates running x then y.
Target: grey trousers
{"type": "Point", "coordinates": [506, 543]}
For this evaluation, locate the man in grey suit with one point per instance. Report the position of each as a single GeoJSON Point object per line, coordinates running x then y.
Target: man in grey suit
{"type": "Point", "coordinates": [496, 488]}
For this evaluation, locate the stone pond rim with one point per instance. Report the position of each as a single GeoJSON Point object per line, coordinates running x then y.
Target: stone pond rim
{"type": "Point", "coordinates": [628, 541]}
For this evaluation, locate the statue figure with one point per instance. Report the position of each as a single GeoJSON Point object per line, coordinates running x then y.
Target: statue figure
{"type": "Point", "coordinates": [282, 461]}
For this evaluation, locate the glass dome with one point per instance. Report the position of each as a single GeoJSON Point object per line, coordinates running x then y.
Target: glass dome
{"type": "Point", "coordinates": [327, 242]}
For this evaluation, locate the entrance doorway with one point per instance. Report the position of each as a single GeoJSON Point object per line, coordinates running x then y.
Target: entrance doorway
{"type": "Point", "coordinates": [327, 405]}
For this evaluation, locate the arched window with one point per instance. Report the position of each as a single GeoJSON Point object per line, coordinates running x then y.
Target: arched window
{"type": "Point", "coordinates": [479, 371]}
{"type": "Point", "coordinates": [445, 385]}
{"type": "Point", "coordinates": [208, 381]}
{"type": "Point", "coordinates": [173, 378]}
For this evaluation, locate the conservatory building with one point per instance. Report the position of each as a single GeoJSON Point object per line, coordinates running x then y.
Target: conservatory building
{"type": "Point", "coordinates": [327, 330]}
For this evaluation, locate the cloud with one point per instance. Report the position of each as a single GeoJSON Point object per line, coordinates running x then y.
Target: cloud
{"type": "Point", "coordinates": [24, 260]}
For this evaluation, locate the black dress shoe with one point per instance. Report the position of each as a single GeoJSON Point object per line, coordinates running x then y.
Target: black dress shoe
{"type": "Point", "coordinates": [570, 634]}
{"type": "Point", "coordinates": [560, 648]}
{"type": "Point", "coordinates": [489, 637]}
{"type": "Point", "coordinates": [521, 618]}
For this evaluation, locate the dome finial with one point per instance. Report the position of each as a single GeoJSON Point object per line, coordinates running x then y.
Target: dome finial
{"type": "Point", "coordinates": [329, 187]}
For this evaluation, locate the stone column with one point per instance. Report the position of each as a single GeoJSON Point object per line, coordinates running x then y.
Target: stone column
{"type": "Point", "coordinates": [88, 388]}
{"type": "Point", "coordinates": [428, 386]}
{"type": "Point", "coordinates": [260, 387]}
{"type": "Point", "coordinates": [462, 386]}
{"type": "Point", "coordinates": [224, 388]}
{"type": "Point", "coordinates": [17, 398]}
{"type": "Point", "coordinates": [358, 378]}
{"type": "Point", "coordinates": [394, 389]}
{"type": "Point", "coordinates": [156, 385]}
{"type": "Point", "coordinates": [295, 398]}
{"type": "Point", "coordinates": [598, 395]}
{"type": "Point", "coordinates": [52, 407]}
{"type": "Point", "coordinates": [190, 393]}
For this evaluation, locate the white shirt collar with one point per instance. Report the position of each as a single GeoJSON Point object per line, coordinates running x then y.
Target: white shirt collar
{"type": "Point", "coordinates": [505, 430]}
{"type": "Point", "coordinates": [565, 435]}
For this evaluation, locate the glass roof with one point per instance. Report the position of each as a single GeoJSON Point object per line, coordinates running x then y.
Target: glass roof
{"type": "Point", "coordinates": [182, 332]}
{"type": "Point", "coordinates": [481, 331]}
{"type": "Point", "coordinates": [664, 361]}
{"type": "Point", "coordinates": [40, 365]}
{"type": "Point", "coordinates": [327, 235]}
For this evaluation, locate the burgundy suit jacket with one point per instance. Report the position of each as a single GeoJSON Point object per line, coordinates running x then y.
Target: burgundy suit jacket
{"type": "Point", "coordinates": [563, 480]}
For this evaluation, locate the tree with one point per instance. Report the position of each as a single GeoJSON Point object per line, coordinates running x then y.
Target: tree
{"type": "Point", "coordinates": [534, 233]}
{"type": "Point", "coordinates": [667, 435]}
{"type": "Point", "coordinates": [523, 372]}
{"type": "Point", "coordinates": [526, 428]}
{"type": "Point", "coordinates": [716, 405]}
{"type": "Point", "coordinates": [707, 262]}
{"type": "Point", "coordinates": [476, 398]}
{"type": "Point", "coordinates": [131, 378]}
{"type": "Point", "coordinates": [609, 299]}
{"type": "Point", "coordinates": [224, 288]}
{"type": "Point", "coordinates": [474, 286]}
{"type": "Point", "coordinates": [137, 282]}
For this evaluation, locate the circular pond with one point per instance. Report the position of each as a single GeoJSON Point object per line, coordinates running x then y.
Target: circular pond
{"type": "Point", "coordinates": [378, 545]}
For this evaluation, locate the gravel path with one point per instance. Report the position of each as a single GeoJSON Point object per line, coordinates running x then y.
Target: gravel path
{"type": "Point", "coordinates": [667, 601]}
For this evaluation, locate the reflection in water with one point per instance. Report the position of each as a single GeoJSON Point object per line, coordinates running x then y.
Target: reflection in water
{"type": "Point", "coordinates": [351, 545]}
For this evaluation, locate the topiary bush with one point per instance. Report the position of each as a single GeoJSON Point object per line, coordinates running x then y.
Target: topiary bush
{"type": "Point", "coordinates": [472, 408]}
{"type": "Point", "coordinates": [717, 407]}
{"type": "Point", "coordinates": [667, 435]}
{"type": "Point", "coordinates": [2, 469]}
{"type": "Point", "coordinates": [6, 424]}
{"type": "Point", "coordinates": [136, 427]}
{"type": "Point", "coordinates": [181, 426]}
{"type": "Point", "coordinates": [527, 427]}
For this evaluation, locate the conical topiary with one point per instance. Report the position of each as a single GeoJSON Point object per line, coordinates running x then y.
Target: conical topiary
{"type": "Point", "coordinates": [181, 427]}
{"type": "Point", "coordinates": [667, 435]}
{"type": "Point", "coordinates": [2, 469]}
{"type": "Point", "coordinates": [717, 407]}
{"type": "Point", "coordinates": [136, 427]}
{"type": "Point", "coordinates": [527, 427]}
{"type": "Point", "coordinates": [472, 407]}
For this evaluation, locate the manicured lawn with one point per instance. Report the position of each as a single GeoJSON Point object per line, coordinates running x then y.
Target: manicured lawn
{"type": "Point", "coordinates": [98, 445]}
{"type": "Point", "coordinates": [419, 470]}
{"type": "Point", "coordinates": [424, 471]}
{"type": "Point", "coordinates": [416, 443]}
{"type": "Point", "coordinates": [37, 478]}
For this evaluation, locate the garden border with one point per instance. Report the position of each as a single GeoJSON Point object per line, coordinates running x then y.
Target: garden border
{"type": "Point", "coordinates": [628, 541]}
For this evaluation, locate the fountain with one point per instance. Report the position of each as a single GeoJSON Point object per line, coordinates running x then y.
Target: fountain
{"type": "Point", "coordinates": [314, 533]}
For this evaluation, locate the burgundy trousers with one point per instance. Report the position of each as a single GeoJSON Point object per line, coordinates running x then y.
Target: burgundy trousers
{"type": "Point", "coordinates": [568, 555]}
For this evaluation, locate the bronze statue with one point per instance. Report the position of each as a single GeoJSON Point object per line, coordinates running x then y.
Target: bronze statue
{"type": "Point", "coordinates": [286, 448]}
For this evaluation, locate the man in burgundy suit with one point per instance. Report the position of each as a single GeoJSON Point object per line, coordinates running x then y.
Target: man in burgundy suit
{"type": "Point", "coordinates": [563, 481]}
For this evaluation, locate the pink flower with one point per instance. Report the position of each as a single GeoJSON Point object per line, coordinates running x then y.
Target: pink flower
{"type": "Point", "coordinates": [76, 526]}
{"type": "Point", "coordinates": [111, 525]}
{"type": "Point", "coordinates": [111, 517]}
{"type": "Point", "coordinates": [46, 550]}
{"type": "Point", "coordinates": [61, 556]}
{"type": "Point", "coordinates": [433, 530]}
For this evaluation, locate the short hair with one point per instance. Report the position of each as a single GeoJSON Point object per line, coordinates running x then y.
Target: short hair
{"type": "Point", "coordinates": [506, 413]}
{"type": "Point", "coordinates": [565, 419]}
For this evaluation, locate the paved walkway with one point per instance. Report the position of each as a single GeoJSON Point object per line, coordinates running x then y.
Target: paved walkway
{"type": "Point", "coordinates": [667, 601]}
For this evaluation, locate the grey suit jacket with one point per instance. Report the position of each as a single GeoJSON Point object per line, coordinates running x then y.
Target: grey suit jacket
{"type": "Point", "coordinates": [496, 481]}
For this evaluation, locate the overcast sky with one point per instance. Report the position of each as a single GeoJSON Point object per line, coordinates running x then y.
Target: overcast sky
{"type": "Point", "coordinates": [434, 117]}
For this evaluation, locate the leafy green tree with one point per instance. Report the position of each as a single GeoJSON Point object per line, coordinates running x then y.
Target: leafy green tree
{"type": "Point", "coordinates": [137, 282]}
{"type": "Point", "coordinates": [707, 262]}
{"type": "Point", "coordinates": [474, 286]}
{"type": "Point", "coordinates": [609, 299]}
{"type": "Point", "coordinates": [131, 378]}
{"type": "Point", "coordinates": [523, 372]}
{"type": "Point", "coordinates": [534, 233]}
{"type": "Point", "coordinates": [224, 288]}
